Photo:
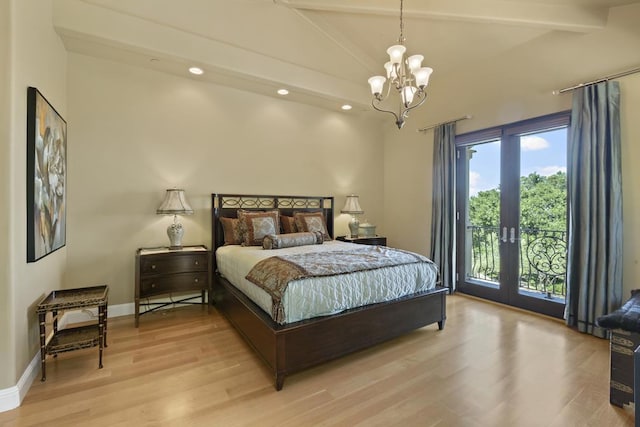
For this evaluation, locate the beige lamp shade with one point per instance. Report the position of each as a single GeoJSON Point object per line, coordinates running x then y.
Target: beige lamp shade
{"type": "Point", "coordinates": [175, 203]}
{"type": "Point", "coordinates": [352, 206]}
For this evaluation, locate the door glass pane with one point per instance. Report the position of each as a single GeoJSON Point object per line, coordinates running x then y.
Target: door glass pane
{"type": "Point", "coordinates": [482, 260]}
{"type": "Point", "coordinates": [543, 214]}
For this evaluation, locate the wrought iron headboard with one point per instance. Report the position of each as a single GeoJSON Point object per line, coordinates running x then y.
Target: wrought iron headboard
{"type": "Point", "coordinates": [227, 205]}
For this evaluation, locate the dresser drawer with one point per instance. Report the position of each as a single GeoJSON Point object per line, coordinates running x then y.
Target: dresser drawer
{"type": "Point", "coordinates": [163, 264]}
{"type": "Point", "coordinates": [173, 283]}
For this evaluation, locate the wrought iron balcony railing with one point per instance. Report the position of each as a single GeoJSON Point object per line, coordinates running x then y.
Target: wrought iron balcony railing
{"type": "Point", "coordinates": [543, 259]}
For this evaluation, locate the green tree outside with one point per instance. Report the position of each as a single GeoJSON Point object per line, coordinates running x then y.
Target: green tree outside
{"type": "Point", "coordinates": [543, 207]}
{"type": "Point", "coordinates": [543, 203]}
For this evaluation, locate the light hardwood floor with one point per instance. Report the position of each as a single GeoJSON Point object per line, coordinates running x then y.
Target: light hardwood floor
{"type": "Point", "coordinates": [490, 366]}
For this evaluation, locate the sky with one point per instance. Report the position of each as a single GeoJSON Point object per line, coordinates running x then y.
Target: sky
{"type": "Point", "coordinates": [543, 152]}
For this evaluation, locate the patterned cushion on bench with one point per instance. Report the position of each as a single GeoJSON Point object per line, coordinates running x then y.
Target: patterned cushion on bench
{"type": "Point", "coordinates": [626, 317]}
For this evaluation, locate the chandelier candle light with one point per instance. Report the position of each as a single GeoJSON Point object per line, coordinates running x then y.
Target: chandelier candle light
{"type": "Point", "coordinates": [175, 203]}
{"type": "Point", "coordinates": [407, 76]}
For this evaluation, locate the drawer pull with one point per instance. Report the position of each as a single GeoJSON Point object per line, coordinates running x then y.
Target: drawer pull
{"type": "Point", "coordinates": [153, 285]}
{"type": "Point", "coordinates": [195, 280]}
{"type": "Point", "coordinates": [197, 263]}
{"type": "Point", "coordinates": [153, 266]}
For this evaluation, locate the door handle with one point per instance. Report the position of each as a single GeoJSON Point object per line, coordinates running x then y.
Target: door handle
{"type": "Point", "coordinates": [504, 235]}
{"type": "Point", "coordinates": [512, 238]}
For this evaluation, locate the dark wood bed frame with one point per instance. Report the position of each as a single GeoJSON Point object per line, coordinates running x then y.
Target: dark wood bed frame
{"type": "Point", "coordinates": [295, 346]}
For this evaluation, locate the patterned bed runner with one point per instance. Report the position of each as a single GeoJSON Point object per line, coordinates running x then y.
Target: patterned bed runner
{"type": "Point", "coordinates": [274, 274]}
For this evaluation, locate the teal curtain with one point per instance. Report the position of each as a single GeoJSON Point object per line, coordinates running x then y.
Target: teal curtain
{"type": "Point", "coordinates": [443, 221]}
{"type": "Point", "coordinates": [594, 267]}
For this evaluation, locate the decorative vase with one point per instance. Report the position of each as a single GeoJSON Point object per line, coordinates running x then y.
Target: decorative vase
{"type": "Point", "coordinates": [175, 233]}
{"type": "Point", "coordinates": [354, 226]}
{"type": "Point", "coordinates": [367, 230]}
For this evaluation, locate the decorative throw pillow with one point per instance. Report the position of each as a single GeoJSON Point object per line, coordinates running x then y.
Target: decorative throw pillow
{"type": "Point", "coordinates": [254, 225]}
{"type": "Point", "coordinates": [288, 224]}
{"type": "Point", "coordinates": [279, 241]}
{"type": "Point", "coordinates": [312, 221]}
{"type": "Point", "coordinates": [231, 232]}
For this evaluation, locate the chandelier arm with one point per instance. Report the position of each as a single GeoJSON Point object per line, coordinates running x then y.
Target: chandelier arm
{"type": "Point", "coordinates": [382, 110]}
{"type": "Point", "coordinates": [398, 82]}
{"type": "Point", "coordinates": [405, 111]}
{"type": "Point", "coordinates": [386, 96]}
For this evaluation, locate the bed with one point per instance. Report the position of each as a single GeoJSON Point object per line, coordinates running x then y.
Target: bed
{"type": "Point", "coordinates": [293, 345]}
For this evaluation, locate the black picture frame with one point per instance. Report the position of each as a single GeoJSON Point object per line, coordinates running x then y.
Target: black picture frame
{"type": "Point", "coordinates": [46, 177]}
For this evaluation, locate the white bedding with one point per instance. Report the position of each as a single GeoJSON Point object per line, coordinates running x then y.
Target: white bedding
{"type": "Point", "coordinates": [320, 296]}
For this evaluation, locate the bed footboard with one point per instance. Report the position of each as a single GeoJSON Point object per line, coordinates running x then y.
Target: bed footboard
{"type": "Point", "coordinates": [290, 348]}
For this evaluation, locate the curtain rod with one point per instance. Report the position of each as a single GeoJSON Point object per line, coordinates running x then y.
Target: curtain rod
{"type": "Point", "coordinates": [426, 128]}
{"type": "Point", "coordinates": [600, 80]}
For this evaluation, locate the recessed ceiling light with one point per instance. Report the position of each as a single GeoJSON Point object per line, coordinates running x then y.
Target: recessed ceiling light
{"type": "Point", "coordinates": [195, 70]}
{"type": "Point", "coordinates": [346, 107]}
{"type": "Point", "coordinates": [283, 92]}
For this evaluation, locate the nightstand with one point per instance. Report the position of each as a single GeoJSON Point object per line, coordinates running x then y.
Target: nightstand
{"type": "Point", "coordinates": [376, 240]}
{"type": "Point", "coordinates": [164, 271]}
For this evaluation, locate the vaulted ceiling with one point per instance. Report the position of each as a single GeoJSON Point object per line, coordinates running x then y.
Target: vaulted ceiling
{"type": "Point", "coordinates": [323, 51]}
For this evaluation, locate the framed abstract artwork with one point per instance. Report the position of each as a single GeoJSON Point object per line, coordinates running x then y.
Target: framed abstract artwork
{"type": "Point", "coordinates": [46, 177]}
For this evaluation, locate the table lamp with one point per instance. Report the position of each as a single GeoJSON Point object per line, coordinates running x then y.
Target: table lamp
{"type": "Point", "coordinates": [352, 207]}
{"type": "Point", "coordinates": [175, 203]}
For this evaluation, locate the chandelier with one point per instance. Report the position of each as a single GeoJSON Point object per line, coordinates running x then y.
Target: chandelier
{"type": "Point", "coordinates": [407, 76]}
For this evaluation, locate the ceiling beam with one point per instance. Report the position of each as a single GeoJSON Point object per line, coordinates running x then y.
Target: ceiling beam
{"type": "Point", "coordinates": [89, 29]}
{"type": "Point", "coordinates": [533, 14]}
{"type": "Point", "coordinates": [339, 39]}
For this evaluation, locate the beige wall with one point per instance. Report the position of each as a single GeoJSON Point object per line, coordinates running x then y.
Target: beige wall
{"type": "Point", "coordinates": [6, 320]}
{"type": "Point", "coordinates": [38, 59]}
{"type": "Point", "coordinates": [407, 188]}
{"type": "Point", "coordinates": [134, 132]}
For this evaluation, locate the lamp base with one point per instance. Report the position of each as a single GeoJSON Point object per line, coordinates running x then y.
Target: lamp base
{"type": "Point", "coordinates": [175, 233]}
{"type": "Point", "coordinates": [354, 224]}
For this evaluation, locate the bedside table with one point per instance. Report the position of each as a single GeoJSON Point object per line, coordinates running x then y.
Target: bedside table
{"type": "Point", "coordinates": [376, 240]}
{"type": "Point", "coordinates": [163, 271]}
{"type": "Point", "coordinates": [78, 337]}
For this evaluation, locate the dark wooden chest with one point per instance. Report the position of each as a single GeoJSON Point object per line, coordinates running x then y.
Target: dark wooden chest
{"type": "Point", "coordinates": [623, 344]}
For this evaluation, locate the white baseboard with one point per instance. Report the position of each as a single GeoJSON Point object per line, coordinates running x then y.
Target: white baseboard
{"type": "Point", "coordinates": [11, 398]}
{"type": "Point", "coordinates": [79, 316]}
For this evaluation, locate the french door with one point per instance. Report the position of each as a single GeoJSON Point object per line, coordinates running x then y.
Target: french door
{"type": "Point", "coordinates": [512, 214]}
